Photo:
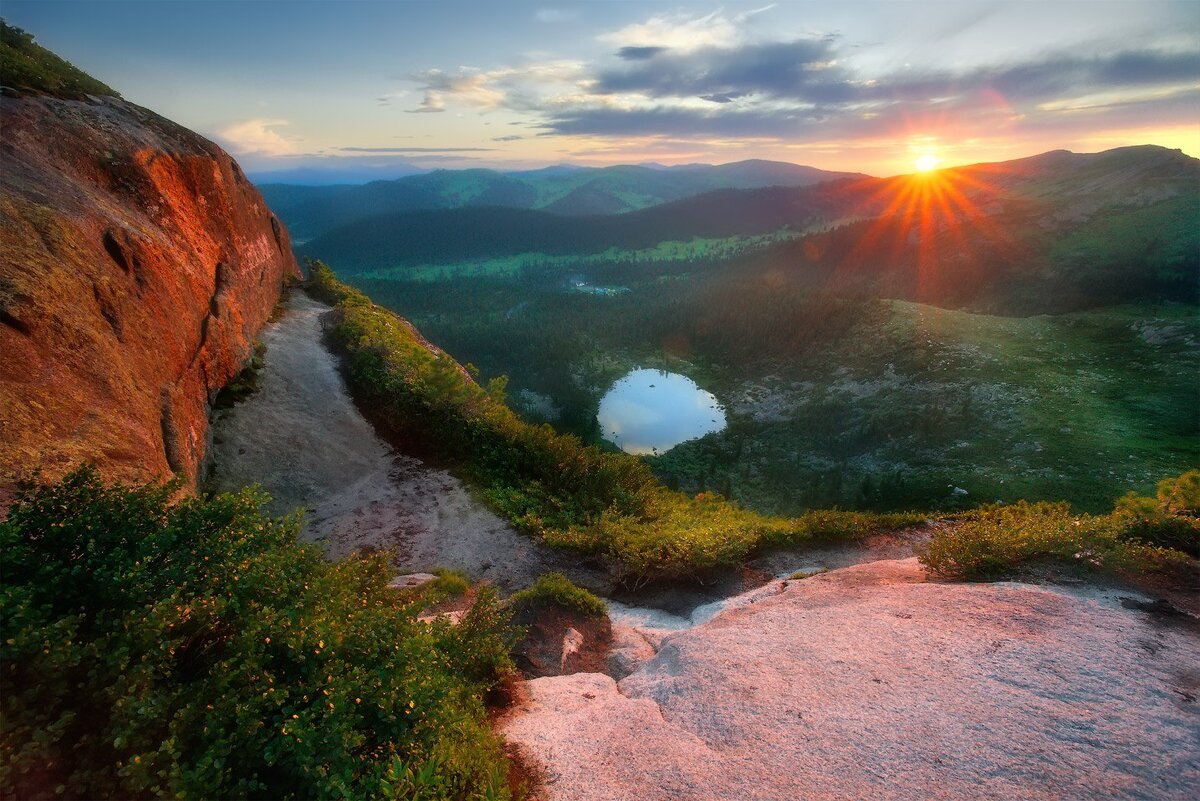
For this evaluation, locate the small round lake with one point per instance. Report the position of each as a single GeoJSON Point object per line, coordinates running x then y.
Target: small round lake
{"type": "Point", "coordinates": [652, 411]}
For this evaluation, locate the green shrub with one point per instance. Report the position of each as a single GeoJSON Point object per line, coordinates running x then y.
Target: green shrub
{"type": "Point", "coordinates": [557, 589]}
{"type": "Point", "coordinates": [994, 541]}
{"type": "Point", "coordinates": [194, 649]}
{"type": "Point", "coordinates": [548, 484]}
{"type": "Point", "coordinates": [27, 66]}
{"type": "Point", "coordinates": [1171, 520]}
{"type": "Point", "coordinates": [451, 583]}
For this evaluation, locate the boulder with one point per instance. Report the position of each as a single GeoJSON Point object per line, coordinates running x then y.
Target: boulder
{"type": "Point", "coordinates": [137, 265]}
{"type": "Point", "coordinates": [409, 581]}
{"type": "Point", "coordinates": [871, 682]}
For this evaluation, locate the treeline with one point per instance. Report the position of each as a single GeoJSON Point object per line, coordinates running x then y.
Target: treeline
{"type": "Point", "coordinates": [1010, 261]}
{"type": "Point", "coordinates": [530, 328]}
{"type": "Point", "coordinates": [550, 484]}
{"type": "Point", "coordinates": [447, 236]}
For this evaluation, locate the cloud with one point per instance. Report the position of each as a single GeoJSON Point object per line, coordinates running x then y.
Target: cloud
{"type": "Point", "coordinates": [676, 31]}
{"type": "Point", "coordinates": [509, 138]}
{"type": "Point", "coordinates": [415, 149]}
{"type": "Point", "coordinates": [718, 76]}
{"type": "Point", "coordinates": [432, 103]}
{"type": "Point", "coordinates": [521, 86]}
{"type": "Point", "coordinates": [813, 71]}
{"type": "Point", "coordinates": [257, 137]}
{"type": "Point", "coordinates": [777, 68]}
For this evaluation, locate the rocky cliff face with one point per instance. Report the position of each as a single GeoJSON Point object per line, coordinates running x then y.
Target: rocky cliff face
{"type": "Point", "coordinates": [137, 264]}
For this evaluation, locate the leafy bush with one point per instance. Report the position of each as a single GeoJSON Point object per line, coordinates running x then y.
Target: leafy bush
{"type": "Point", "coordinates": [994, 541]}
{"type": "Point", "coordinates": [451, 582]}
{"type": "Point", "coordinates": [1172, 519]}
{"type": "Point", "coordinates": [27, 66]}
{"type": "Point", "coordinates": [546, 483]}
{"type": "Point", "coordinates": [557, 589]}
{"type": "Point", "coordinates": [195, 650]}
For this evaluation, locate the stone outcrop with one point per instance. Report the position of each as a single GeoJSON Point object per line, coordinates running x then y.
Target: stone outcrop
{"type": "Point", "coordinates": [137, 264]}
{"type": "Point", "coordinates": [870, 682]}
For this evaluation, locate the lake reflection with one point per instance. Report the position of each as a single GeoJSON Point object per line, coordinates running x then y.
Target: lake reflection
{"type": "Point", "coordinates": [652, 411]}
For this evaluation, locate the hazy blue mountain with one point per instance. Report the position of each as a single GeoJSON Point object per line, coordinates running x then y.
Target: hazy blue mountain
{"type": "Point", "coordinates": [310, 211]}
{"type": "Point", "coordinates": [1057, 230]}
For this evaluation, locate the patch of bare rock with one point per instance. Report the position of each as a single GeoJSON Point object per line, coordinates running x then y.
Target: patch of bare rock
{"type": "Point", "coordinates": [870, 682]}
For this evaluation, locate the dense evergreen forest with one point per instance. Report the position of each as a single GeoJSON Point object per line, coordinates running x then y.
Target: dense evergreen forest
{"type": "Point", "coordinates": [842, 395]}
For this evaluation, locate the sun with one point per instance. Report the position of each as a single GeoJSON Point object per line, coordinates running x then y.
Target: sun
{"type": "Point", "coordinates": [926, 162]}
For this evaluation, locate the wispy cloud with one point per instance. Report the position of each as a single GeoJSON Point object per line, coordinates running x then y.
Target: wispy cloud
{"type": "Point", "coordinates": [676, 31]}
{"type": "Point", "coordinates": [723, 75]}
{"type": "Point", "coordinates": [523, 85]}
{"type": "Point", "coordinates": [410, 150]}
{"type": "Point", "coordinates": [258, 137]}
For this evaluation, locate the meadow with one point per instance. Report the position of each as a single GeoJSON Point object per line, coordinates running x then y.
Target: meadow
{"type": "Point", "coordinates": [840, 399]}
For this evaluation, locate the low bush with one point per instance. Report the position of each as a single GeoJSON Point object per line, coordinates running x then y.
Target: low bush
{"type": "Point", "coordinates": [546, 483]}
{"type": "Point", "coordinates": [450, 582]}
{"type": "Point", "coordinates": [1171, 519]}
{"type": "Point", "coordinates": [555, 588]}
{"type": "Point", "coordinates": [1140, 534]}
{"type": "Point", "coordinates": [194, 649]}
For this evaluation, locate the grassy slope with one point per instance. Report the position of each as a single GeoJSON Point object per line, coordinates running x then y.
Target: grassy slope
{"type": "Point", "coordinates": [1079, 406]}
{"type": "Point", "coordinates": [903, 405]}
{"type": "Point", "coordinates": [28, 67]}
{"type": "Point", "coordinates": [549, 484]}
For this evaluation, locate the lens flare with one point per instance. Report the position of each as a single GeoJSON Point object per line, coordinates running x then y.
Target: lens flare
{"type": "Point", "coordinates": [926, 162]}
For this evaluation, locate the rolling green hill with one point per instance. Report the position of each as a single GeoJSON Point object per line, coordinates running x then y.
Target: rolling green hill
{"type": "Point", "coordinates": [1050, 233]}
{"type": "Point", "coordinates": [310, 211]}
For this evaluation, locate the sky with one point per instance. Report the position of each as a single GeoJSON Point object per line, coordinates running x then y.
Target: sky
{"type": "Point", "coordinates": [353, 90]}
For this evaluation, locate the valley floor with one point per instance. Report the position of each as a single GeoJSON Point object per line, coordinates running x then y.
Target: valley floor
{"type": "Point", "coordinates": [867, 681]}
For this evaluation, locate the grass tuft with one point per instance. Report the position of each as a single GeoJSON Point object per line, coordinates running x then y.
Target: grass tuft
{"type": "Point", "coordinates": [557, 589]}
{"type": "Point", "coordinates": [451, 583]}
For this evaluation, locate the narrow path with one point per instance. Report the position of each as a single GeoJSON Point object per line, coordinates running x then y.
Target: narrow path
{"type": "Point", "coordinates": [302, 438]}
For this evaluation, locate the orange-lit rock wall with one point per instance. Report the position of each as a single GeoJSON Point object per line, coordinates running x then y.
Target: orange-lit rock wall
{"type": "Point", "coordinates": [137, 264]}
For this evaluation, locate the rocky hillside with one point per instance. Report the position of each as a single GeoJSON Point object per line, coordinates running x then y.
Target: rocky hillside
{"type": "Point", "coordinates": [137, 264]}
{"type": "Point", "coordinates": [874, 682]}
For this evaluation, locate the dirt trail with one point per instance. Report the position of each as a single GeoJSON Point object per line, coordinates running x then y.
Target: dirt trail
{"type": "Point", "coordinates": [302, 438]}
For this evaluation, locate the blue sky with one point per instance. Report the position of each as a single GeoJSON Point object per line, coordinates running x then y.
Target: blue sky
{"type": "Point", "coordinates": [376, 88]}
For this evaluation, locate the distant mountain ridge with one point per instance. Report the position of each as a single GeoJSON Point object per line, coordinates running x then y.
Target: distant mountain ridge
{"type": "Point", "coordinates": [311, 211]}
{"type": "Point", "coordinates": [1000, 236]}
